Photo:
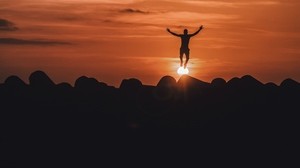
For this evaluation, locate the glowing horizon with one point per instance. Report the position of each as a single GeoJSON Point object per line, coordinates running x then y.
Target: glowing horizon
{"type": "Point", "coordinates": [114, 40]}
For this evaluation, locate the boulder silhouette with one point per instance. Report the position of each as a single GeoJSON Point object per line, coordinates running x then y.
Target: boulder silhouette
{"type": "Point", "coordinates": [165, 89]}
{"type": "Point", "coordinates": [89, 84]}
{"type": "Point", "coordinates": [13, 85]}
{"type": "Point", "coordinates": [189, 88]}
{"type": "Point", "coordinates": [14, 82]}
{"type": "Point", "coordinates": [188, 82]}
{"type": "Point", "coordinates": [291, 88]}
{"type": "Point", "coordinates": [245, 83]}
{"type": "Point", "coordinates": [289, 84]}
{"type": "Point", "coordinates": [271, 90]}
{"type": "Point", "coordinates": [131, 85]}
{"type": "Point", "coordinates": [40, 80]}
{"type": "Point", "coordinates": [79, 122]}
{"type": "Point", "coordinates": [167, 81]}
{"type": "Point", "coordinates": [234, 82]}
{"type": "Point", "coordinates": [271, 85]}
{"type": "Point", "coordinates": [64, 86]}
{"type": "Point", "coordinates": [249, 81]}
{"type": "Point", "coordinates": [218, 82]}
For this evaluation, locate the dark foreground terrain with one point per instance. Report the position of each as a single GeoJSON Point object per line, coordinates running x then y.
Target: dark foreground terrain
{"type": "Point", "coordinates": [59, 125]}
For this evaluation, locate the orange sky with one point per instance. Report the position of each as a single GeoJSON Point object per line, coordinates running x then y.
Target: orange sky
{"type": "Point", "coordinates": [116, 39]}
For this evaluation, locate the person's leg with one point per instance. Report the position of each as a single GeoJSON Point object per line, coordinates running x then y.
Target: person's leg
{"type": "Point", "coordinates": [181, 57]}
{"type": "Point", "coordinates": [187, 55]}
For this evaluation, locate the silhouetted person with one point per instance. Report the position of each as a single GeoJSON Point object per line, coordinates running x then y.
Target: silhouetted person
{"type": "Point", "coordinates": [185, 39]}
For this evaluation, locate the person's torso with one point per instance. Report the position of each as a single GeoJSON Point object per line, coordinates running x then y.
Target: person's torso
{"type": "Point", "coordinates": [185, 40]}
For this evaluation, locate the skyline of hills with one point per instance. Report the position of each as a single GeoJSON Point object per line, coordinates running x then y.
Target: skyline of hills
{"type": "Point", "coordinates": [40, 74]}
{"type": "Point", "coordinates": [42, 122]}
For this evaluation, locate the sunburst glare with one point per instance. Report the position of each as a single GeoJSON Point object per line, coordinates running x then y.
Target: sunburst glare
{"type": "Point", "coordinates": [182, 71]}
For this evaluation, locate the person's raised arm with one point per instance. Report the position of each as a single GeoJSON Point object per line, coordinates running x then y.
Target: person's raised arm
{"type": "Point", "coordinates": [172, 32]}
{"type": "Point", "coordinates": [200, 28]}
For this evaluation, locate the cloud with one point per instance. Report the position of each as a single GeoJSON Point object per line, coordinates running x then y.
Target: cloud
{"type": "Point", "coordinates": [226, 3]}
{"type": "Point", "coordinates": [14, 41]}
{"type": "Point", "coordinates": [7, 25]}
{"type": "Point", "coordinates": [130, 10]}
{"type": "Point", "coordinates": [174, 18]}
{"type": "Point", "coordinates": [103, 1]}
{"type": "Point", "coordinates": [223, 3]}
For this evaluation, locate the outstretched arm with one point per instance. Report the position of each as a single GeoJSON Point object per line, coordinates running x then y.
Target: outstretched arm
{"type": "Point", "coordinates": [172, 32]}
{"type": "Point", "coordinates": [200, 28]}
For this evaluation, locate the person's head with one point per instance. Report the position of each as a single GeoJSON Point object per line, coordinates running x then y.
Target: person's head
{"type": "Point", "coordinates": [185, 31]}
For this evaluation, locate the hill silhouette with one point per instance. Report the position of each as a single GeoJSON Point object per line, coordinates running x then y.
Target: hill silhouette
{"type": "Point", "coordinates": [42, 119]}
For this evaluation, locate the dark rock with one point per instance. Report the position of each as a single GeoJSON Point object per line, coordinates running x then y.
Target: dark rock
{"type": "Point", "coordinates": [89, 84]}
{"type": "Point", "coordinates": [271, 85]}
{"type": "Point", "coordinates": [289, 83]}
{"type": "Point", "coordinates": [189, 82]}
{"type": "Point", "coordinates": [64, 86]}
{"type": "Point", "coordinates": [167, 81]}
{"type": "Point", "coordinates": [131, 84]}
{"type": "Point", "coordinates": [245, 83]}
{"type": "Point", "coordinates": [249, 81]}
{"type": "Point", "coordinates": [190, 88]}
{"type": "Point", "coordinates": [40, 80]}
{"type": "Point", "coordinates": [14, 82]}
{"type": "Point", "coordinates": [165, 89]}
{"type": "Point", "coordinates": [218, 82]}
{"type": "Point", "coordinates": [234, 82]}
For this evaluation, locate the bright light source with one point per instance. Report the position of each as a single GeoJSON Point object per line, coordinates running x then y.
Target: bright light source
{"type": "Point", "coordinates": [182, 71]}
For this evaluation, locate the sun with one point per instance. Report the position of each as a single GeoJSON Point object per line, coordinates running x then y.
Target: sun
{"type": "Point", "coordinates": [182, 71]}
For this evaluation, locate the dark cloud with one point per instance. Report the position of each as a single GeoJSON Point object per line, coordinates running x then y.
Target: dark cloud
{"type": "Point", "coordinates": [7, 25]}
{"type": "Point", "coordinates": [107, 21]}
{"type": "Point", "coordinates": [130, 10]}
{"type": "Point", "coordinates": [14, 41]}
